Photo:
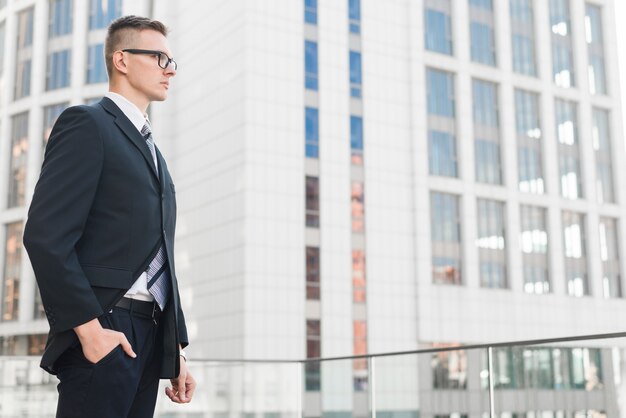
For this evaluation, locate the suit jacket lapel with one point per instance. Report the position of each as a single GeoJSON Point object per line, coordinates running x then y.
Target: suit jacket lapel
{"type": "Point", "coordinates": [130, 131]}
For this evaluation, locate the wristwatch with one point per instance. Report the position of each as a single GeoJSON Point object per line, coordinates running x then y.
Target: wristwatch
{"type": "Point", "coordinates": [183, 354]}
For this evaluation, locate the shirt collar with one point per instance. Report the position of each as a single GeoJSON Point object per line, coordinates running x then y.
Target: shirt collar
{"type": "Point", "coordinates": [130, 110]}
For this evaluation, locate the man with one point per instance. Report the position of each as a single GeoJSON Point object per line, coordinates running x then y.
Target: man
{"type": "Point", "coordinates": [100, 236]}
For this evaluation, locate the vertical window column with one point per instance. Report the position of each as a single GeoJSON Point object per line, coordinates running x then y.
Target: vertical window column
{"type": "Point", "coordinates": [569, 152]}
{"type": "Point", "coordinates": [442, 149]}
{"type": "Point", "coordinates": [12, 272]}
{"type": "Point", "coordinates": [445, 238]}
{"type": "Point", "coordinates": [438, 26]}
{"type": "Point", "coordinates": [486, 133]}
{"type": "Point", "coordinates": [483, 43]}
{"type": "Point", "coordinates": [529, 144]}
{"type": "Point", "coordinates": [562, 46]}
{"type": "Point", "coordinates": [491, 243]}
{"type": "Point", "coordinates": [595, 49]}
{"type": "Point", "coordinates": [609, 256]}
{"type": "Point", "coordinates": [523, 37]}
{"type": "Point", "coordinates": [58, 68]}
{"type": "Point", "coordinates": [601, 139]}
{"type": "Point", "coordinates": [18, 160]}
{"type": "Point", "coordinates": [534, 245]}
{"type": "Point", "coordinates": [24, 53]}
{"type": "Point", "coordinates": [575, 256]}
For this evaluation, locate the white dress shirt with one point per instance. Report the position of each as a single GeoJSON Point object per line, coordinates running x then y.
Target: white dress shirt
{"type": "Point", "coordinates": [139, 290]}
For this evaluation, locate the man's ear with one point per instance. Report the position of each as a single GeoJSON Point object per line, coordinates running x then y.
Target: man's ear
{"type": "Point", "coordinates": [119, 62]}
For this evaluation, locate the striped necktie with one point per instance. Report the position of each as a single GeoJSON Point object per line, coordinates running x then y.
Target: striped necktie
{"type": "Point", "coordinates": [158, 277]}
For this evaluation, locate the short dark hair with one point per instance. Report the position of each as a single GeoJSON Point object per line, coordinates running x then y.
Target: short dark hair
{"type": "Point", "coordinates": [121, 32]}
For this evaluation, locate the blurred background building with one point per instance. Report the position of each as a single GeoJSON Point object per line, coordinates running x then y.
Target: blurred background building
{"type": "Point", "coordinates": [361, 176]}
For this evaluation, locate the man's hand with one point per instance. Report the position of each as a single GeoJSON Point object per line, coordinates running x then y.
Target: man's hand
{"type": "Point", "coordinates": [183, 386]}
{"type": "Point", "coordinates": [97, 342]}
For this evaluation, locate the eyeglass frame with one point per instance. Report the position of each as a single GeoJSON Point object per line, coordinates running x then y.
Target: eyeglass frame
{"type": "Point", "coordinates": [153, 52]}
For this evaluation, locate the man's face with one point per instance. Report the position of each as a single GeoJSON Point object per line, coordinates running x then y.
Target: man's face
{"type": "Point", "coordinates": [144, 73]}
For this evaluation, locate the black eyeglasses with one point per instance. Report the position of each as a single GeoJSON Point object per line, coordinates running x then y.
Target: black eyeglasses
{"type": "Point", "coordinates": [164, 60]}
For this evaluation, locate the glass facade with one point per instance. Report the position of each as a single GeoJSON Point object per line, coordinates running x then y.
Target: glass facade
{"type": "Point", "coordinates": [449, 368]}
{"type": "Point", "coordinates": [310, 65]}
{"type": "Point", "coordinates": [354, 16]}
{"type": "Point", "coordinates": [18, 160]}
{"type": "Point", "coordinates": [445, 238]}
{"type": "Point", "coordinates": [529, 144]}
{"type": "Point", "coordinates": [574, 239]}
{"type": "Point", "coordinates": [595, 49]}
{"type": "Point", "coordinates": [534, 246]}
{"type": "Point", "coordinates": [601, 140]}
{"type": "Point", "coordinates": [490, 242]}
{"type": "Point", "coordinates": [96, 68]}
{"type": "Point", "coordinates": [24, 53]}
{"type": "Point", "coordinates": [358, 206]}
{"type": "Point", "coordinates": [609, 255]}
{"type": "Point", "coordinates": [312, 273]}
{"type": "Point", "coordinates": [103, 12]}
{"type": "Point", "coordinates": [483, 43]}
{"type": "Point", "coordinates": [312, 132]}
{"type": "Point", "coordinates": [60, 16]}
{"type": "Point", "coordinates": [442, 150]}
{"type": "Point", "coordinates": [50, 115]}
{"type": "Point", "coordinates": [312, 202]}
{"type": "Point", "coordinates": [12, 272]}
{"type": "Point", "coordinates": [313, 381]}
{"type": "Point", "coordinates": [58, 72]}
{"type": "Point", "coordinates": [310, 11]}
{"type": "Point", "coordinates": [523, 37]}
{"type": "Point", "coordinates": [356, 83]}
{"type": "Point", "coordinates": [438, 26]}
{"type": "Point", "coordinates": [359, 294]}
{"type": "Point", "coordinates": [359, 366]}
{"type": "Point", "coordinates": [356, 140]}
{"type": "Point", "coordinates": [562, 49]}
{"type": "Point", "coordinates": [487, 159]}
{"type": "Point", "coordinates": [569, 152]}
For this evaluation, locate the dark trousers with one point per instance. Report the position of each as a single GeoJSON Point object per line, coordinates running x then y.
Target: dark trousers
{"type": "Point", "coordinates": [118, 386]}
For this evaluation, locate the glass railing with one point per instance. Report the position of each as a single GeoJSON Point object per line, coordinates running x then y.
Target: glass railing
{"type": "Point", "coordinates": [574, 377]}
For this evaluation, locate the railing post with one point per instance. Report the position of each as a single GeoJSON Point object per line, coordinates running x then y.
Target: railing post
{"type": "Point", "coordinates": [372, 385]}
{"type": "Point", "coordinates": [492, 408]}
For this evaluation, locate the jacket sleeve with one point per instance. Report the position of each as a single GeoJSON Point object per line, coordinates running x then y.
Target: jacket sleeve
{"type": "Point", "coordinates": [59, 210]}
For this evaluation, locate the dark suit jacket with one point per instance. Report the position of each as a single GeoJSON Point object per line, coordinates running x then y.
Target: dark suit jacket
{"type": "Point", "coordinates": [98, 215]}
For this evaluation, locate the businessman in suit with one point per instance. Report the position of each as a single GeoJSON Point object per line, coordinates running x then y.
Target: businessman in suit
{"type": "Point", "coordinates": [100, 237]}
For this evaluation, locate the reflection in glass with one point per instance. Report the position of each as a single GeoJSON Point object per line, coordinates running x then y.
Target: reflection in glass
{"type": "Point", "coordinates": [575, 253]}
{"type": "Point", "coordinates": [445, 238]}
{"type": "Point", "coordinates": [58, 69]}
{"type": "Point", "coordinates": [609, 256]}
{"type": "Point", "coordinates": [96, 68]}
{"type": "Point", "coordinates": [60, 18]}
{"type": "Point", "coordinates": [310, 65]}
{"type": "Point", "coordinates": [523, 37]}
{"type": "Point", "coordinates": [562, 50]}
{"type": "Point", "coordinates": [438, 26]}
{"type": "Point", "coordinates": [569, 152]}
{"type": "Point", "coordinates": [12, 272]}
{"type": "Point", "coordinates": [359, 366]}
{"type": "Point", "coordinates": [595, 49]}
{"type": "Point", "coordinates": [486, 132]}
{"type": "Point", "coordinates": [312, 202]}
{"type": "Point", "coordinates": [449, 368]}
{"type": "Point", "coordinates": [356, 140]}
{"type": "Point", "coordinates": [354, 16]}
{"type": "Point", "coordinates": [358, 206]}
{"type": "Point", "coordinates": [24, 53]}
{"type": "Point", "coordinates": [529, 151]}
{"type": "Point", "coordinates": [312, 273]}
{"type": "Point", "coordinates": [483, 44]}
{"type": "Point", "coordinates": [355, 74]}
{"type": "Point", "coordinates": [534, 245]}
{"type": "Point", "coordinates": [491, 243]}
{"type": "Point", "coordinates": [358, 276]}
{"type": "Point", "coordinates": [601, 139]}
{"type": "Point", "coordinates": [442, 151]}
{"type": "Point", "coordinates": [312, 132]}
{"type": "Point", "coordinates": [18, 160]}
{"type": "Point", "coordinates": [310, 11]}
{"type": "Point", "coordinates": [103, 12]}
{"type": "Point", "coordinates": [313, 350]}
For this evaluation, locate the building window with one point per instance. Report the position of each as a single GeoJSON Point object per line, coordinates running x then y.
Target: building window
{"type": "Point", "coordinates": [438, 26]}
{"type": "Point", "coordinates": [310, 65]}
{"type": "Point", "coordinates": [601, 139]}
{"type": "Point", "coordinates": [312, 202]}
{"type": "Point", "coordinates": [359, 366]}
{"type": "Point", "coordinates": [575, 254]}
{"type": "Point", "coordinates": [312, 132]}
{"type": "Point", "coordinates": [313, 350]}
{"type": "Point", "coordinates": [483, 44]}
{"type": "Point", "coordinates": [96, 68]}
{"type": "Point", "coordinates": [24, 53]}
{"type": "Point", "coordinates": [442, 151]}
{"type": "Point", "coordinates": [39, 311]}
{"type": "Point", "coordinates": [12, 272]}
{"type": "Point", "coordinates": [359, 294]}
{"type": "Point", "coordinates": [523, 37]}
{"type": "Point", "coordinates": [103, 12]}
{"type": "Point", "coordinates": [486, 133]}
{"type": "Point", "coordinates": [354, 15]}
{"type": "Point", "coordinates": [58, 73]}
{"type": "Point", "coordinates": [445, 238]}
{"type": "Point", "coordinates": [60, 18]}
{"type": "Point", "coordinates": [8, 345]}
{"type": "Point", "coordinates": [562, 50]}
{"type": "Point", "coordinates": [50, 115]}
{"type": "Point", "coordinates": [310, 11]}
{"type": "Point", "coordinates": [37, 344]}
{"type": "Point", "coordinates": [449, 368]}
{"type": "Point", "coordinates": [595, 49]}
{"type": "Point", "coordinates": [534, 245]}
{"type": "Point", "coordinates": [569, 153]}
{"type": "Point", "coordinates": [356, 140]}
{"type": "Point", "coordinates": [355, 74]}
{"type": "Point", "coordinates": [312, 273]}
{"type": "Point", "coordinates": [19, 160]}
{"type": "Point", "coordinates": [491, 243]}
{"type": "Point", "coordinates": [358, 206]}
{"type": "Point", "coordinates": [609, 256]}
{"type": "Point", "coordinates": [529, 153]}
